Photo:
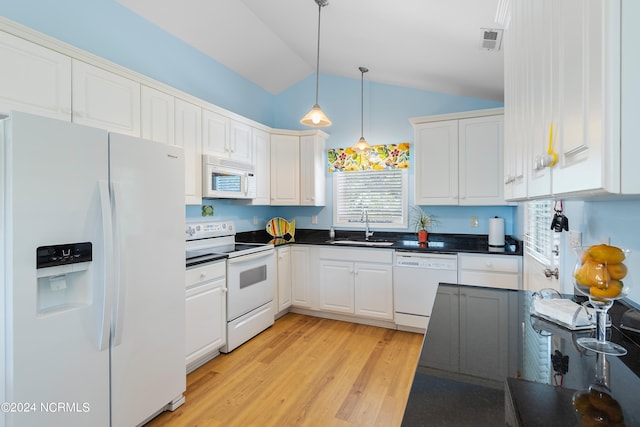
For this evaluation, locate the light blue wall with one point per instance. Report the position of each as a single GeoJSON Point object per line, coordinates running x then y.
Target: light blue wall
{"type": "Point", "coordinates": [106, 29]}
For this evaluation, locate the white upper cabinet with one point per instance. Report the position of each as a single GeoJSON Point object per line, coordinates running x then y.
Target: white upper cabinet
{"type": "Point", "coordinates": [158, 116]}
{"type": "Point", "coordinates": [480, 160]}
{"type": "Point", "coordinates": [226, 138]}
{"type": "Point", "coordinates": [285, 170]}
{"type": "Point", "coordinates": [215, 134]}
{"type": "Point", "coordinates": [572, 84]}
{"type": "Point", "coordinates": [436, 163]}
{"type": "Point", "coordinates": [298, 168]}
{"type": "Point", "coordinates": [459, 162]}
{"type": "Point", "coordinates": [188, 127]}
{"type": "Point", "coordinates": [34, 79]}
{"type": "Point", "coordinates": [262, 156]}
{"type": "Point", "coordinates": [312, 167]}
{"type": "Point", "coordinates": [105, 100]}
{"type": "Point", "coordinates": [240, 142]}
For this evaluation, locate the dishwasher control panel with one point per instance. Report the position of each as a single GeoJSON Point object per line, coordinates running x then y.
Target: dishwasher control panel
{"type": "Point", "coordinates": [439, 263]}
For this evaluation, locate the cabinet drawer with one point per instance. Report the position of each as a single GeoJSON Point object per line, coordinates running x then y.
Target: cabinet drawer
{"type": "Point", "coordinates": [490, 279]}
{"type": "Point", "coordinates": [205, 273]}
{"type": "Point", "coordinates": [376, 255]}
{"type": "Point", "coordinates": [489, 263]}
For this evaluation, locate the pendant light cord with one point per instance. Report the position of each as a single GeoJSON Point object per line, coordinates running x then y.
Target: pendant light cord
{"type": "Point", "coordinates": [362, 71]}
{"type": "Point", "coordinates": [318, 52]}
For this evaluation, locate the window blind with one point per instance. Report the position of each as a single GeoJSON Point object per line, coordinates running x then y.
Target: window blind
{"type": "Point", "coordinates": [539, 236]}
{"type": "Point", "coordinates": [381, 193]}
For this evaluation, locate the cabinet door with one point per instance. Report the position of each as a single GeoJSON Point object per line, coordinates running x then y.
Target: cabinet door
{"type": "Point", "coordinates": [436, 163]}
{"type": "Point", "coordinates": [442, 339]}
{"type": "Point", "coordinates": [514, 118]}
{"type": "Point", "coordinates": [300, 277]}
{"type": "Point", "coordinates": [336, 286]}
{"type": "Point", "coordinates": [581, 86]}
{"type": "Point", "coordinates": [284, 278]}
{"type": "Point", "coordinates": [189, 137]}
{"type": "Point", "coordinates": [34, 79]}
{"type": "Point", "coordinates": [484, 339]}
{"type": "Point", "coordinates": [206, 319]}
{"type": "Point", "coordinates": [374, 290]}
{"type": "Point", "coordinates": [158, 116]}
{"type": "Point", "coordinates": [285, 170]}
{"type": "Point", "coordinates": [262, 156]}
{"type": "Point", "coordinates": [215, 134]}
{"type": "Point", "coordinates": [105, 100]}
{"type": "Point", "coordinates": [240, 142]}
{"type": "Point", "coordinates": [312, 162]}
{"type": "Point", "coordinates": [481, 161]}
{"type": "Point", "coordinates": [540, 106]}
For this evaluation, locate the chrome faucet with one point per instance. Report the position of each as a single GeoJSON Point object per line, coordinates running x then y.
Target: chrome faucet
{"type": "Point", "coordinates": [365, 218]}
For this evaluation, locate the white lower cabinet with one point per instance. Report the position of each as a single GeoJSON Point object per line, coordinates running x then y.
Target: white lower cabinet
{"type": "Point", "coordinates": [495, 271]}
{"type": "Point", "coordinates": [300, 276]}
{"type": "Point", "coordinates": [356, 281]}
{"type": "Point", "coordinates": [206, 313]}
{"type": "Point", "coordinates": [283, 258]}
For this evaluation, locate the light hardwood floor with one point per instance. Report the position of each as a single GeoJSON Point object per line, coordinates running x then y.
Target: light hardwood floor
{"type": "Point", "coordinates": [304, 371]}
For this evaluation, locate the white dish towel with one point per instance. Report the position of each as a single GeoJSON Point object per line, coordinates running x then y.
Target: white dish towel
{"type": "Point", "coordinates": [564, 311]}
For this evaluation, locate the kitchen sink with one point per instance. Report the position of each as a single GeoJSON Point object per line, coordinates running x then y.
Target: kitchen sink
{"type": "Point", "coordinates": [361, 242]}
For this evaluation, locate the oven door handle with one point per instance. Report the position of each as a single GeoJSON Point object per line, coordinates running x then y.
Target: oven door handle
{"type": "Point", "coordinates": [251, 257]}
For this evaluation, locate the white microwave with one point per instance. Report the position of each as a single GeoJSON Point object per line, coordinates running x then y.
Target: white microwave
{"type": "Point", "coordinates": [229, 179]}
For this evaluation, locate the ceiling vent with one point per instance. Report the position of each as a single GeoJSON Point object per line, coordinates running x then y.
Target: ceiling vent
{"type": "Point", "coordinates": [491, 39]}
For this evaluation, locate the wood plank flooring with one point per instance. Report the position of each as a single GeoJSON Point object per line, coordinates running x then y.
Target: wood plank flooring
{"type": "Point", "coordinates": [304, 371]}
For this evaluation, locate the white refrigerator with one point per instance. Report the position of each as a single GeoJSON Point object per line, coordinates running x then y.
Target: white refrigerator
{"type": "Point", "coordinates": [92, 315]}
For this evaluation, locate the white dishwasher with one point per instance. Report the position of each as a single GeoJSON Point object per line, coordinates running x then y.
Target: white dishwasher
{"type": "Point", "coordinates": [415, 284]}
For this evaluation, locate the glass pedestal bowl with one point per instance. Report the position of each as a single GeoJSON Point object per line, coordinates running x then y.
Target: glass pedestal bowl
{"type": "Point", "coordinates": [601, 275]}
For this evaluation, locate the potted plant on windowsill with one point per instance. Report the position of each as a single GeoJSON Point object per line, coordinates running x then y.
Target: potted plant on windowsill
{"type": "Point", "coordinates": [422, 221]}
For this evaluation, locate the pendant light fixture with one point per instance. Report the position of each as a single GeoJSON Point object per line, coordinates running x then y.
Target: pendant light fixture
{"type": "Point", "coordinates": [362, 146]}
{"type": "Point", "coordinates": [316, 116]}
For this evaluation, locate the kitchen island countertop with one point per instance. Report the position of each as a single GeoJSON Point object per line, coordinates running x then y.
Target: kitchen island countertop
{"type": "Point", "coordinates": [523, 371]}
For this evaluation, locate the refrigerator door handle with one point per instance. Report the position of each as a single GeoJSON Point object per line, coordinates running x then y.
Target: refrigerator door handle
{"type": "Point", "coordinates": [106, 294]}
{"type": "Point", "coordinates": [120, 291]}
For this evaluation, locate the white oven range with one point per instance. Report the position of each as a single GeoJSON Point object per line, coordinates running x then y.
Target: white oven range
{"type": "Point", "coordinates": [250, 277]}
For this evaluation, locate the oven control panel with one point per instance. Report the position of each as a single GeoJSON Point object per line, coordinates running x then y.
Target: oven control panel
{"type": "Point", "coordinates": [208, 229]}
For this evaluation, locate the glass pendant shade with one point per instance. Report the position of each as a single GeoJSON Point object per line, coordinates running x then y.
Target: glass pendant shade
{"type": "Point", "coordinates": [362, 146]}
{"type": "Point", "coordinates": [316, 117]}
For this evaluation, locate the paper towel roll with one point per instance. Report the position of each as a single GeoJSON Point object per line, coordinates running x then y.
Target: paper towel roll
{"type": "Point", "coordinates": [496, 231]}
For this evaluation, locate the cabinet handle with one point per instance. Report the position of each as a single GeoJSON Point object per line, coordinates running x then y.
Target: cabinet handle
{"type": "Point", "coordinates": [202, 275]}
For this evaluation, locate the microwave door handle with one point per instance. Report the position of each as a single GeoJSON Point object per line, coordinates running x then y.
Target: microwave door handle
{"type": "Point", "coordinates": [246, 184]}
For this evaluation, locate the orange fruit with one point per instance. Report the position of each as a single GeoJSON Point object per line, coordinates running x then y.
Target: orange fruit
{"type": "Point", "coordinates": [606, 253]}
{"type": "Point", "coordinates": [592, 273]}
{"type": "Point", "coordinates": [617, 271]}
{"type": "Point", "coordinates": [612, 291]}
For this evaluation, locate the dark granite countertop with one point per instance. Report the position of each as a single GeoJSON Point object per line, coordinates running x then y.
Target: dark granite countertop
{"type": "Point", "coordinates": [437, 242]}
{"type": "Point", "coordinates": [486, 361]}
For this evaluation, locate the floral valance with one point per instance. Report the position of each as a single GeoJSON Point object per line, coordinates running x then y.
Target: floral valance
{"type": "Point", "coordinates": [381, 157]}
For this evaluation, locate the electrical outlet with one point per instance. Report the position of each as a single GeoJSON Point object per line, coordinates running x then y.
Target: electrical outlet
{"type": "Point", "coordinates": [575, 239]}
{"type": "Point", "coordinates": [255, 220]}
{"type": "Point", "coordinates": [474, 222]}
{"type": "Point", "coordinates": [314, 219]}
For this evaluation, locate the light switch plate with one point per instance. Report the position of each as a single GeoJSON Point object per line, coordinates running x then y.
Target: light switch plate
{"type": "Point", "coordinates": [473, 222]}
{"type": "Point", "coordinates": [575, 239]}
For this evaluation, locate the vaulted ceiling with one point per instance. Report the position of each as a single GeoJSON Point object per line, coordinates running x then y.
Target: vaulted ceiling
{"type": "Point", "coordinates": [422, 44]}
